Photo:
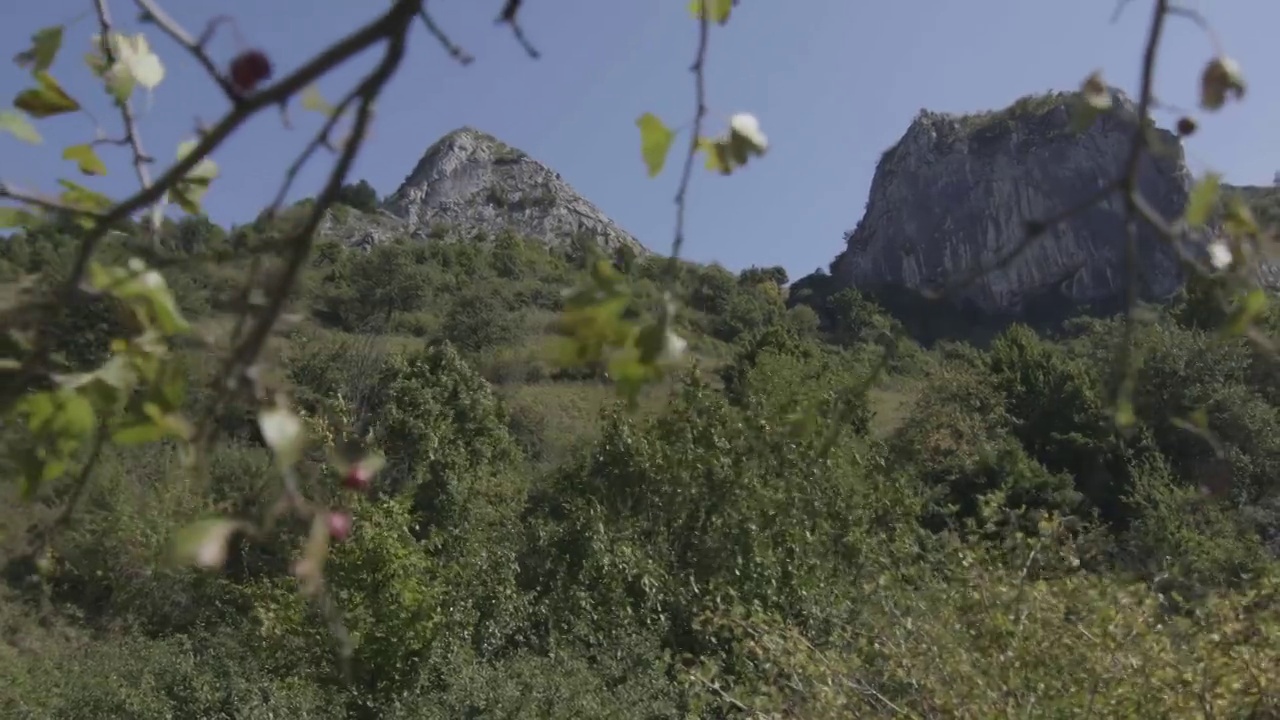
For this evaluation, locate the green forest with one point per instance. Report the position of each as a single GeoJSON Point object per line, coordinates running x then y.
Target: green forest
{"type": "Point", "coordinates": [326, 464]}
{"type": "Point", "coordinates": [812, 517]}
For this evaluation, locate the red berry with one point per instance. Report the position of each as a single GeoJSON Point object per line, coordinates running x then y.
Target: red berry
{"type": "Point", "coordinates": [248, 69]}
{"type": "Point", "coordinates": [339, 525]}
{"type": "Point", "coordinates": [357, 478]}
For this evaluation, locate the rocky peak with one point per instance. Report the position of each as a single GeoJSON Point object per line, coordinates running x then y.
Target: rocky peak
{"type": "Point", "coordinates": [956, 192]}
{"type": "Point", "coordinates": [470, 181]}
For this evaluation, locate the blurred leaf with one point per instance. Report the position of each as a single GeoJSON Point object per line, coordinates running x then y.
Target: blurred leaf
{"type": "Point", "coordinates": [44, 49]}
{"type": "Point", "coordinates": [16, 217]}
{"type": "Point", "coordinates": [283, 432]}
{"type": "Point", "coordinates": [1204, 196]}
{"type": "Point", "coordinates": [188, 192]}
{"type": "Point", "coordinates": [82, 198]}
{"type": "Point", "coordinates": [309, 570]}
{"type": "Point", "coordinates": [1239, 220]}
{"type": "Point", "coordinates": [138, 434]}
{"type": "Point", "coordinates": [46, 99]}
{"type": "Point", "coordinates": [204, 543]}
{"type": "Point", "coordinates": [655, 142]}
{"type": "Point", "coordinates": [1245, 313]}
{"type": "Point", "coordinates": [143, 289]}
{"type": "Point", "coordinates": [17, 125]}
{"type": "Point", "coordinates": [85, 157]}
{"type": "Point", "coordinates": [312, 100]}
{"type": "Point", "coordinates": [717, 10]}
{"type": "Point", "coordinates": [715, 162]}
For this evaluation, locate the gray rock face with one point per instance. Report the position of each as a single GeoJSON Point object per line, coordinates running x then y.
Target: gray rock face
{"type": "Point", "coordinates": [471, 182]}
{"type": "Point", "coordinates": [363, 230]}
{"type": "Point", "coordinates": [955, 194]}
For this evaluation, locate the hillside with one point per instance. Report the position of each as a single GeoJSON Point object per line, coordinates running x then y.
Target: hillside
{"type": "Point", "coordinates": [793, 523]}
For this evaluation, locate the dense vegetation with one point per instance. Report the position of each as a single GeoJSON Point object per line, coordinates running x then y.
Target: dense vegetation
{"type": "Point", "coordinates": [769, 531]}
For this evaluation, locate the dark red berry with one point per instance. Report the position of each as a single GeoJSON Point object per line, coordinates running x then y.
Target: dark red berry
{"type": "Point", "coordinates": [248, 69]}
{"type": "Point", "coordinates": [1186, 126]}
{"type": "Point", "coordinates": [339, 525]}
{"type": "Point", "coordinates": [358, 477]}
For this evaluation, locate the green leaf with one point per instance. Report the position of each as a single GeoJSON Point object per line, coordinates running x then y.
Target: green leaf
{"type": "Point", "coordinates": [138, 434]}
{"type": "Point", "coordinates": [1204, 196]}
{"type": "Point", "coordinates": [143, 289]}
{"type": "Point", "coordinates": [717, 10]}
{"type": "Point", "coordinates": [17, 125]}
{"type": "Point", "coordinates": [82, 198]}
{"type": "Point", "coordinates": [85, 157]}
{"type": "Point", "coordinates": [188, 192]}
{"type": "Point", "coordinates": [204, 543]}
{"type": "Point", "coordinates": [120, 85]}
{"type": "Point", "coordinates": [715, 161]}
{"type": "Point", "coordinates": [1125, 416]}
{"type": "Point", "coordinates": [46, 99]}
{"type": "Point", "coordinates": [655, 142]}
{"type": "Point", "coordinates": [1239, 220]}
{"type": "Point", "coordinates": [11, 217]}
{"type": "Point", "coordinates": [44, 48]}
{"type": "Point", "coordinates": [312, 100]}
{"type": "Point", "coordinates": [1246, 312]}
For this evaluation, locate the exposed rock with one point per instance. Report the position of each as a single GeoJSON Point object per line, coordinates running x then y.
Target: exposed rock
{"type": "Point", "coordinates": [363, 230]}
{"type": "Point", "coordinates": [470, 182]}
{"type": "Point", "coordinates": [956, 193]}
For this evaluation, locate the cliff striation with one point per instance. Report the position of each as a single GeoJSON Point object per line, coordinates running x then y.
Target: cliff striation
{"type": "Point", "coordinates": [470, 182]}
{"type": "Point", "coordinates": [956, 193]}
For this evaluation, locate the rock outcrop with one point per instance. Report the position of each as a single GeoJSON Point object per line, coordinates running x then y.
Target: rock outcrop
{"type": "Point", "coordinates": [469, 182]}
{"type": "Point", "coordinates": [957, 192]}
{"type": "Point", "coordinates": [364, 230]}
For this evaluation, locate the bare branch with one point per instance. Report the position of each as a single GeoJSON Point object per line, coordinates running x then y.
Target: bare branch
{"type": "Point", "coordinates": [455, 51]}
{"type": "Point", "coordinates": [695, 134]}
{"type": "Point", "coordinates": [320, 140]}
{"type": "Point", "coordinates": [28, 197]}
{"type": "Point", "coordinates": [244, 355]}
{"type": "Point", "coordinates": [508, 17]}
{"type": "Point", "coordinates": [392, 24]}
{"type": "Point", "coordinates": [132, 138]}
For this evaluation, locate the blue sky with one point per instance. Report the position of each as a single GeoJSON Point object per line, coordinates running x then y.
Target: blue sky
{"type": "Point", "coordinates": [834, 83]}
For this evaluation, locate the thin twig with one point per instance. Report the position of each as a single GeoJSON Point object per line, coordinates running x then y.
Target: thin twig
{"type": "Point", "coordinates": [384, 26]}
{"type": "Point", "coordinates": [508, 16]}
{"type": "Point", "coordinates": [695, 134]}
{"type": "Point", "coordinates": [195, 48]}
{"type": "Point", "coordinates": [455, 51]}
{"type": "Point", "coordinates": [1129, 184]}
{"type": "Point", "coordinates": [401, 16]}
{"type": "Point", "coordinates": [35, 199]}
{"type": "Point", "coordinates": [320, 140]}
{"type": "Point", "coordinates": [45, 536]}
{"type": "Point", "coordinates": [131, 136]}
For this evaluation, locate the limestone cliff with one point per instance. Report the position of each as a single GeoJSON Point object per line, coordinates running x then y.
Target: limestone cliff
{"type": "Point", "coordinates": [469, 182]}
{"type": "Point", "coordinates": [956, 193]}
